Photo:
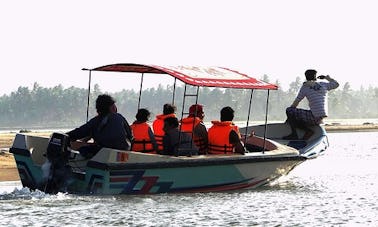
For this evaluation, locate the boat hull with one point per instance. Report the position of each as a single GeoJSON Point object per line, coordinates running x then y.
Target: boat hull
{"type": "Point", "coordinates": [125, 179]}
{"type": "Point", "coordinates": [113, 172]}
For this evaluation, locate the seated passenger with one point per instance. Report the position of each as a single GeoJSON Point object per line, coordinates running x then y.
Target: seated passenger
{"type": "Point", "coordinates": [176, 142]}
{"type": "Point", "coordinates": [108, 129]}
{"type": "Point", "coordinates": [223, 137]}
{"type": "Point", "coordinates": [144, 139]}
{"type": "Point", "coordinates": [158, 124]}
{"type": "Point", "coordinates": [193, 125]}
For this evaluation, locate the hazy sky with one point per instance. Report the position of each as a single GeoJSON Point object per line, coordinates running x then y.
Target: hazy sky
{"type": "Point", "coordinates": [50, 41]}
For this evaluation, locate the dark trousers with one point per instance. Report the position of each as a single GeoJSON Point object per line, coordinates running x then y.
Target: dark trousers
{"type": "Point", "coordinates": [89, 151]}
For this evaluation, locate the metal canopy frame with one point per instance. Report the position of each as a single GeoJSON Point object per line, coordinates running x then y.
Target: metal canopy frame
{"type": "Point", "coordinates": [155, 69]}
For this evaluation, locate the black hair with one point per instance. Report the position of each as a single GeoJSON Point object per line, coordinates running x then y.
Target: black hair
{"type": "Point", "coordinates": [171, 121]}
{"type": "Point", "coordinates": [142, 115]}
{"type": "Point", "coordinates": [310, 74]}
{"type": "Point", "coordinates": [103, 104]}
{"type": "Point", "coordinates": [169, 109]}
{"type": "Point", "coordinates": [227, 114]}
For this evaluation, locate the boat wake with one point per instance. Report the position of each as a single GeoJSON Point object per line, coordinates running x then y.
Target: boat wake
{"type": "Point", "coordinates": [27, 194]}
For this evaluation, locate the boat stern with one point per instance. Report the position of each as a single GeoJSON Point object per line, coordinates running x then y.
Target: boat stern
{"type": "Point", "coordinates": [28, 152]}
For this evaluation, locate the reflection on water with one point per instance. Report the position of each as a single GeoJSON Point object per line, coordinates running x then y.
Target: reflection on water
{"type": "Point", "coordinates": [339, 188]}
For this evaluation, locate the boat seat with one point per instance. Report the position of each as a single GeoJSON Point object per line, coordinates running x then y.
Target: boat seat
{"type": "Point", "coordinates": [256, 143]}
{"type": "Point", "coordinates": [254, 148]}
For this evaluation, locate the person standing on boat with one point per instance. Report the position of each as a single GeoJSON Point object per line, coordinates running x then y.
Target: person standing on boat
{"type": "Point", "coordinates": [175, 142]}
{"type": "Point", "coordinates": [193, 125]}
{"type": "Point", "coordinates": [108, 129]}
{"type": "Point", "coordinates": [158, 124]}
{"type": "Point", "coordinates": [316, 94]}
{"type": "Point", "coordinates": [144, 139]}
{"type": "Point", "coordinates": [224, 135]}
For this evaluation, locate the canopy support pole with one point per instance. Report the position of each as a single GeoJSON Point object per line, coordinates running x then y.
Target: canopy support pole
{"type": "Point", "coordinates": [174, 92]}
{"type": "Point", "coordinates": [89, 93]}
{"type": "Point", "coordinates": [197, 93]}
{"type": "Point", "coordinates": [266, 121]}
{"type": "Point", "coordinates": [182, 116]}
{"type": "Point", "coordinates": [249, 113]}
{"type": "Point", "coordinates": [140, 91]}
{"type": "Point", "coordinates": [195, 113]}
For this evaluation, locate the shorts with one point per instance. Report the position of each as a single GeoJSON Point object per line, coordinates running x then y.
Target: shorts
{"type": "Point", "coordinates": [302, 116]}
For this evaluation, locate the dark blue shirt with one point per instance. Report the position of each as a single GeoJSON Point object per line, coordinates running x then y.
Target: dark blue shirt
{"type": "Point", "coordinates": [111, 131]}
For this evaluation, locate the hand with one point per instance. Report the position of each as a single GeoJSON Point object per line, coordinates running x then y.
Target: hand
{"type": "Point", "coordinates": [324, 77]}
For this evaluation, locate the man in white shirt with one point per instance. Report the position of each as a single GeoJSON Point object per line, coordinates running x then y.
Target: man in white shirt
{"type": "Point", "coordinates": [316, 94]}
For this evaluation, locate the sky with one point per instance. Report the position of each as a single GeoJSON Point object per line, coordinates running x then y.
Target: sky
{"type": "Point", "coordinates": [49, 42]}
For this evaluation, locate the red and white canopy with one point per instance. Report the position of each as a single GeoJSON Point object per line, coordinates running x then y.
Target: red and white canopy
{"type": "Point", "coordinates": [195, 75]}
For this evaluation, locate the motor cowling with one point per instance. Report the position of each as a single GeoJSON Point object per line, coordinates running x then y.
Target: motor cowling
{"type": "Point", "coordinates": [58, 148]}
{"type": "Point", "coordinates": [56, 170]}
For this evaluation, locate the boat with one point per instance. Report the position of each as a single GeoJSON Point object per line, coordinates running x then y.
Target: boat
{"type": "Point", "coordinates": [51, 164]}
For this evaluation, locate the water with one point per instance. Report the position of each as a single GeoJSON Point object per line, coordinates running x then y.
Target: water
{"type": "Point", "coordinates": [339, 188]}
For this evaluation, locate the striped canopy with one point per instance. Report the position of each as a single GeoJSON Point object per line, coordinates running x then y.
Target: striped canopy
{"type": "Point", "coordinates": [195, 75]}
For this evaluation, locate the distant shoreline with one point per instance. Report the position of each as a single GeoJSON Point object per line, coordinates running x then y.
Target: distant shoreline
{"type": "Point", "coordinates": [352, 128]}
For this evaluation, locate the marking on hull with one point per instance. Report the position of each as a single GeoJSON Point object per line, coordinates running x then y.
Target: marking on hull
{"type": "Point", "coordinates": [131, 179]}
{"type": "Point", "coordinates": [93, 186]}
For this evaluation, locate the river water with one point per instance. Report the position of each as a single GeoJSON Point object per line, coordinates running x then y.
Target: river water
{"type": "Point", "coordinates": [339, 188]}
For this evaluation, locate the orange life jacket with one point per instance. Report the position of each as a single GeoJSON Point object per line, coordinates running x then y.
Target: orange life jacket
{"type": "Point", "coordinates": [188, 126]}
{"type": "Point", "coordinates": [142, 141]}
{"type": "Point", "coordinates": [219, 138]}
{"type": "Point", "coordinates": [157, 126]}
{"type": "Point", "coordinates": [236, 129]}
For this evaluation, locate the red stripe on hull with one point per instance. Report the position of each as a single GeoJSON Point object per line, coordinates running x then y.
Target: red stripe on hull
{"type": "Point", "coordinates": [227, 187]}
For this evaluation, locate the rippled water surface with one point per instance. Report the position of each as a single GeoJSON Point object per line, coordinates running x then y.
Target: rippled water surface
{"type": "Point", "coordinates": [339, 188]}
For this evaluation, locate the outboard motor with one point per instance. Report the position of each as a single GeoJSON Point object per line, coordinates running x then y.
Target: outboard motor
{"type": "Point", "coordinates": [56, 170]}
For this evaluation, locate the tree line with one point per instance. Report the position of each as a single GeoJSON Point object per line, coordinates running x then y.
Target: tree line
{"type": "Point", "coordinates": [51, 107]}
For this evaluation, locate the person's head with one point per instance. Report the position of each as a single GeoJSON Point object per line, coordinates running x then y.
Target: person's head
{"type": "Point", "coordinates": [310, 74]}
{"type": "Point", "coordinates": [196, 110]}
{"type": "Point", "coordinates": [143, 115]}
{"type": "Point", "coordinates": [227, 114]}
{"type": "Point", "coordinates": [170, 123]}
{"type": "Point", "coordinates": [105, 104]}
{"type": "Point", "coordinates": [169, 109]}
